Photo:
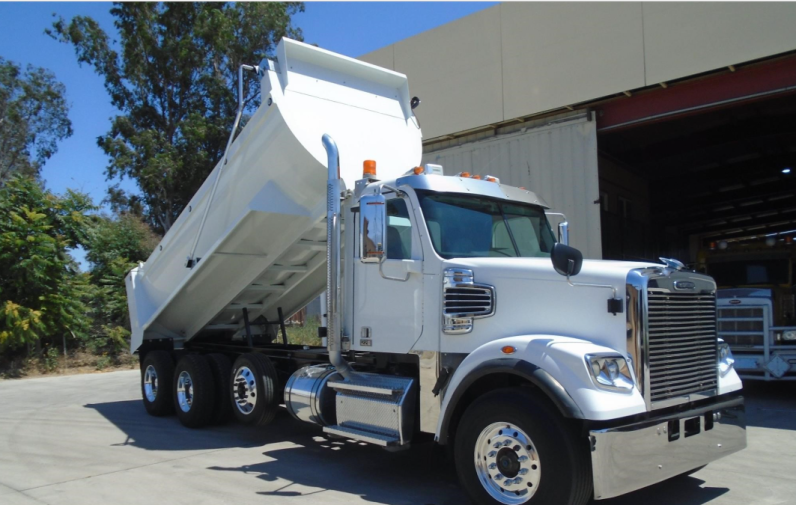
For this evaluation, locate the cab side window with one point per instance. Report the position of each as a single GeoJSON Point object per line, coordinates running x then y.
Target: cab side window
{"type": "Point", "coordinates": [399, 230]}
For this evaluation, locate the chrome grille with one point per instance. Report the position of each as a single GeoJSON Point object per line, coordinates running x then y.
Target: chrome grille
{"type": "Point", "coordinates": [682, 343]}
{"type": "Point", "coordinates": [468, 301]}
{"type": "Point", "coordinates": [742, 326]}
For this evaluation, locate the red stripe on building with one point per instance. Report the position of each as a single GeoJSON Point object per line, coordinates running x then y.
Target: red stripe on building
{"type": "Point", "coordinates": [746, 83]}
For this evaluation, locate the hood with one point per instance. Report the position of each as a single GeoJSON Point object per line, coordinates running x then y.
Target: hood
{"type": "Point", "coordinates": [532, 299]}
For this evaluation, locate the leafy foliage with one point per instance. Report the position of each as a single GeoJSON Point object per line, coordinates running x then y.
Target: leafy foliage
{"type": "Point", "coordinates": [42, 295]}
{"type": "Point", "coordinates": [174, 82]}
{"type": "Point", "coordinates": [113, 247]}
{"type": "Point", "coordinates": [33, 118]}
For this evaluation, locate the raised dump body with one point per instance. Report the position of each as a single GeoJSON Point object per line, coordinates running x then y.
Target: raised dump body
{"type": "Point", "coordinates": [263, 245]}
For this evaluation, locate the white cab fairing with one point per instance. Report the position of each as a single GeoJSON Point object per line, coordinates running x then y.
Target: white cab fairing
{"type": "Point", "coordinates": [563, 359]}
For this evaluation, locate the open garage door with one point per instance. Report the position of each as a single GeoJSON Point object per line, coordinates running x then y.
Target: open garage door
{"type": "Point", "coordinates": [556, 158]}
{"type": "Point", "coordinates": [705, 169]}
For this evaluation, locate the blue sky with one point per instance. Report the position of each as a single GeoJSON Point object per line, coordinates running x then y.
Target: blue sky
{"type": "Point", "coordinates": [350, 28]}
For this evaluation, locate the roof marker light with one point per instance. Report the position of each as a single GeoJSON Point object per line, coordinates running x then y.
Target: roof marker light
{"type": "Point", "coordinates": [463, 174]}
{"type": "Point", "coordinates": [369, 168]}
{"type": "Point", "coordinates": [418, 170]}
{"type": "Point", "coordinates": [477, 177]}
{"type": "Point", "coordinates": [490, 178]}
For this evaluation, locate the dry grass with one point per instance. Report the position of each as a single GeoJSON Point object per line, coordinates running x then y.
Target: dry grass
{"type": "Point", "coordinates": [77, 362]}
{"type": "Point", "coordinates": [305, 335]}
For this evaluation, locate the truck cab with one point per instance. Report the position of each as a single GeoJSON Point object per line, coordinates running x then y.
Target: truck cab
{"type": "Point", "coordinates": [756, 308]}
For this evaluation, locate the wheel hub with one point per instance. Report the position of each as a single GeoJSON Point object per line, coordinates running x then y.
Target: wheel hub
{"type": "Point", "coordinates": [185, 391]}
{"type": "Point", "coordinates": [150, 383]}
{"type": "Point", "coordinates": [507, 463]}
{"type": "Point", "coordinates": [244, 390]}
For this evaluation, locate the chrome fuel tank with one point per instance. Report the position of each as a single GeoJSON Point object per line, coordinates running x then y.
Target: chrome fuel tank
{"type": "Point", "coordinates": [307, 396]}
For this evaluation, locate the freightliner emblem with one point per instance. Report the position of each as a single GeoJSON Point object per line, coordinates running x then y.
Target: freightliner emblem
{"type": "Point", "coordinates": [684, 285]}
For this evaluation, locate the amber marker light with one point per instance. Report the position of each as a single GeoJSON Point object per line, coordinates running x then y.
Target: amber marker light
{"type": "Point", "coordinates": [508, 349]}
{"type": "Point", "coordinates": [464, 174]}
{"type": "Point", "coordinates": [489, 178]}
{"type": "Point", "coordinates": [369, 168]}
{"type": "Point", "coordinates": [418, 170]}
{"type": "Point", "coordinates": [478, 177]}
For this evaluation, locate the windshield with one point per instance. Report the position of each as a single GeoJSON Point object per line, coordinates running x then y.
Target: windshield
{"type": "Point", "coordinates": [464, 226]}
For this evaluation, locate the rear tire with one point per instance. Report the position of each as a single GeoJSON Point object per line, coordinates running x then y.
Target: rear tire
{"type": "Point", "coordinates": [194, 391]}
{"type": "Point", "coordinates": [254, 388]}
{"type": "Point", "coordinates": [157, 371]}
{"type": "Point", "coordinates": [512, 447]}
{"type": "Point", "coordinates": [221, 368]}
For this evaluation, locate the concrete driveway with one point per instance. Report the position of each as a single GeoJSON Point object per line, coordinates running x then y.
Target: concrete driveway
{"type": "Point", "coordinates": [86, 440]}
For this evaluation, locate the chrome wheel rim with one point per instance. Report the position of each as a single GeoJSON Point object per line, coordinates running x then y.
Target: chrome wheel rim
{"type": "Point", "coordinates": [507, 463]}
{"type": "Point", "coordinates": [185, 391]}
{"type": "Point", "coordinates": [244, 390]}
{"type": "Point", "coordinates": [150, 383]}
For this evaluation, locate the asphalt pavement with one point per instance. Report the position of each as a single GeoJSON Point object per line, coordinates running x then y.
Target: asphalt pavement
{"type": "Point", "coordinates": [86, 439]}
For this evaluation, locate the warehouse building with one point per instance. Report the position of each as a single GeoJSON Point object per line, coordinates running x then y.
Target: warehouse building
{"type": "Point", "coordinates": [659, 129]}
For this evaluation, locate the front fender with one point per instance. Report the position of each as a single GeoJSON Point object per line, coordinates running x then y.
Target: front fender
{"type": "Point", "coordinates": [554, 364]}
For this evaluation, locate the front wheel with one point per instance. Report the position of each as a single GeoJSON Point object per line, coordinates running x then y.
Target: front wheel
{"type": "Point", "coordinates": [513, 448]}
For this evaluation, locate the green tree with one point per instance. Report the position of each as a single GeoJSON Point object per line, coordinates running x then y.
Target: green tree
{"type": "Point", "coordinates": [174, 82]}
{"type": "Point", "coordinates": [113, 247]}
{"type": "Point", "coordinates": [33, 118]}
{"type": "Point", "coordinates": [124, 237]}
{"type": "Point", "coordinates": [42, 294]}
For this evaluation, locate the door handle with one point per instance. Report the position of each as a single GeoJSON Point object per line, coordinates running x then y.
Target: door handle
{"type": "Point", "coordinates": [411, 266]}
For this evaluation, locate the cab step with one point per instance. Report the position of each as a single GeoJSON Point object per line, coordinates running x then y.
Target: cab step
{"type": "Point", "coordinates": [362, 436]}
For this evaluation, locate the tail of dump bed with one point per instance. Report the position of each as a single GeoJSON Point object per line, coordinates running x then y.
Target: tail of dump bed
{"type": "Point", "coordinates": [263, 244]}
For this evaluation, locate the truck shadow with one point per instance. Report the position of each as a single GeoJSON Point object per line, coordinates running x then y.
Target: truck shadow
{"type": "Point", "coordinates": [167, 434]}
{"type": "Point", "coordinates": [298, 461]}
{"type": "Point", "coordinates": [681, 490]}
{"type": "Point", "coordinates": [770, 404]}
{"type": "Point", "coordinates": [314, 465]}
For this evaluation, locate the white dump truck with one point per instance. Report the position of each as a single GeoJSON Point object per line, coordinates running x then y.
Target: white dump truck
{"type": "Point", "coordinates": [453, 310]}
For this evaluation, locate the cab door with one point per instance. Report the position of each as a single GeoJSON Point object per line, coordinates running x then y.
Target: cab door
{"type": "Point", "coordinates": [388, 294]}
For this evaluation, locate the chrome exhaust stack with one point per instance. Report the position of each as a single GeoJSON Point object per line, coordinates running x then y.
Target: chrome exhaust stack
{"type": "Point", "coordinates": [333, 291]}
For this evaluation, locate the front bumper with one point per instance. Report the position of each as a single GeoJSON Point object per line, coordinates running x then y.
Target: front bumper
{"type": "Point", "coordinates": [633, 456]}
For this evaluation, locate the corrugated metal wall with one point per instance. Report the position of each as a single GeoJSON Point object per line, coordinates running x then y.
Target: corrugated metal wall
{"type": "Point", "coordinates": [557, 160]}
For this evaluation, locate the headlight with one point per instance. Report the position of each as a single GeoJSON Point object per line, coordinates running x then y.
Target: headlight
{"type": "Point", "coordinates": [789, 335]}
{"type": "Point", "coordinates": [726, 361]}
{"type": "Point", "coordinates": [610, 372]}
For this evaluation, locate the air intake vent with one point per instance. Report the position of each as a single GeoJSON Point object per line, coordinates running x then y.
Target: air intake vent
{"type": "Point", "coordinates": [468, 301]}
{"type": "Point", "coordinates": [464, 300]}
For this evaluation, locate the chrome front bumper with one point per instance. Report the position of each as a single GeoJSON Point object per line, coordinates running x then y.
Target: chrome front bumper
{"type": "Point", "coordinates": [630, 457]}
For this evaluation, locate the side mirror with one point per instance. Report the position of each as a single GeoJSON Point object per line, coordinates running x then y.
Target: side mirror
{"type": "Point", "coordinates": [566, 260]}
{"type": "Point", "coordinates": [563, 232]}
{"type": "Point", "coordinates": [372, 228]}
